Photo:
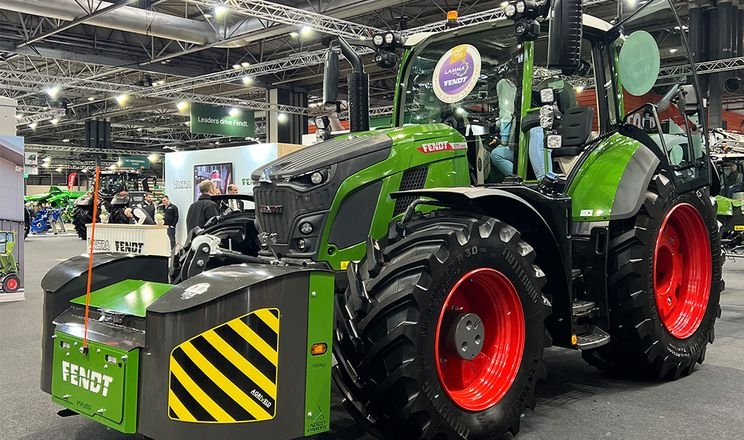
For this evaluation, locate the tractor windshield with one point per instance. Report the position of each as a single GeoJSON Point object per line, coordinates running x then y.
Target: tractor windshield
{"type": "Point", "coordinates": [468, 81]}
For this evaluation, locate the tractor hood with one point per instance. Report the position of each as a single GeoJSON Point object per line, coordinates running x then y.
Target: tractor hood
{"type": "Point", "coordinates": [322, 155]}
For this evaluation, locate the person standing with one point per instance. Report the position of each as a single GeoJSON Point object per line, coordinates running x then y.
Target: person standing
{"type": "Point", "coordinates": [170, 219]}
{"type": "Point", "coordinates": [148, 205]}
{"type": "Point", "coordinates": [204, 208]}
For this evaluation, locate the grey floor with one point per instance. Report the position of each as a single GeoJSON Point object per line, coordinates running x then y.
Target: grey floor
{"type": "Point", "coordinates": [576, 401]}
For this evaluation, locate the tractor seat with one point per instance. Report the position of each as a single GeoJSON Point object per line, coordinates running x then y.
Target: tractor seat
{"type": "Point", "coordinates": [577, 126]}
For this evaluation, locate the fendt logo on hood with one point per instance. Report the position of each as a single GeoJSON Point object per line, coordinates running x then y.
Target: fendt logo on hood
{"type": "Point", "coordinates": [90, 380]}
{"type": "Point", "coordinates": [270, 209]}
{"type": "Point", "coordinates": [436, 147]}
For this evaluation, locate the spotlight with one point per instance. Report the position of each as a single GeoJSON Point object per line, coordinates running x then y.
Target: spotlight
{"type": "Point", "coordinates": [59, 169]}
{"type": "Point", "coordinates": [47, 159]}
{"type": "Point", "coordinates": [122, 99]}
{"type": "Point", "coordinates": [55, 121]}
{"type": "Point", "coordinates": [33, 125]}
{"type": "Point", "coordinates": [182, 106]}
{"type": "Point", "coordinates": [65, 140]}
{"type": "Point", "coordinates": [282, 117]}
{"type": "Point", "coordinates": [247, 80]}
{"type": "Point", "coordinates": [236, 66]}
{"type": "Point", "coordinates": [53, 92]}
{"type": "Point", "coordinates": [294, 34]}
{"type": "Point", "coordinates": [306, 30]}
{"type": "Point", "coordinates": [19, 115]}
{"type": "Point", "coordinates": [234, 112]}
{"type": "Point", "coordinates": [91, 98]}
{"type": "Point", "coordinates": [245, 64]}
{"type": "Point", "coordinates": [153, 157]}
{"type": "Point", "coordinates": [219, 11]}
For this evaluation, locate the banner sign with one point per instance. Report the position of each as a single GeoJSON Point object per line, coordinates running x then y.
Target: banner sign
{"type": "Point", "coordinates": [31, 164]}
{"type": "Point", "coordinates": [71, 180]}
{"type": "Point", "coordinates": [227, 121]}
{"type": "Point", "coordinates": [134, 162]}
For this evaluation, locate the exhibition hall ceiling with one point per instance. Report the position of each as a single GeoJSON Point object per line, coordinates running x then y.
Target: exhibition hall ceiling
{"type": "Point", "coordinates": [139, 63]}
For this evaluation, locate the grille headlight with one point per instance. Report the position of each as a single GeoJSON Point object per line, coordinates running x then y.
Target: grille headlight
{"type": "Point", "coordinates": [306, 228]}
{"type": "Point", "coordinates": [316, 177]}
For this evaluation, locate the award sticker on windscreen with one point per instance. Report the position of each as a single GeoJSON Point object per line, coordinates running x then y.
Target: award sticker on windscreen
{"type": "Point", "coordinates": [456, 73]}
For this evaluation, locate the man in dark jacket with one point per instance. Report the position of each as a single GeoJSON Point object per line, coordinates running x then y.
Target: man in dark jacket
{"type": "Point", "coordinates": [204, 208]}
{"type": "Point", "coordinates": [170, 218]}
{"type": "Point", "coordinates": [148, 205]}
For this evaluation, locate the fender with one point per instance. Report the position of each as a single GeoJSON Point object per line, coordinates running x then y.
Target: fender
{"type": "Point", "coordinates": [610, 182]}
{"type": "Point", "coordinates": [542, 222]}
{"type": "Point", "coordinates": [68, 280]}
{"type": "Point", "coordinates": [84, 200]}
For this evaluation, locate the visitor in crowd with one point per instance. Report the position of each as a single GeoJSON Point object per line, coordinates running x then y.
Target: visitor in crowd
{"type": "Point", "coordinates": [170, 218]}
{"type": "Point", "coordinates": [149, 205]}
{"type": "Point", "coordinates": [204, 208]}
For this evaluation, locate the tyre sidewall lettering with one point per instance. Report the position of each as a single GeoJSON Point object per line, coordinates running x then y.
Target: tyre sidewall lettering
{"type": "Point", "coordinates": [472, 257]}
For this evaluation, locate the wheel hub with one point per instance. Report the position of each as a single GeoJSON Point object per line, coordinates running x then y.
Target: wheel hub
{"type": "Point", "coordinates": [466, 335]}
{"type": "Point", "coordinates": [682, 270]}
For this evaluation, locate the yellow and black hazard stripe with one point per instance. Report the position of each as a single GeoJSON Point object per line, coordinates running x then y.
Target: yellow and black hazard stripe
{"type": "Point", "coordinates": [227, 374]}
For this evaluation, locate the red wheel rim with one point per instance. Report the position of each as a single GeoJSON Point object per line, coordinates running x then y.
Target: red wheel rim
{"type": "Point", "coordinates": [682, 271]}
{"type": "Point", "coordinates": [480, 383]}
{"type": "Point", "coordinates": [11, 284]}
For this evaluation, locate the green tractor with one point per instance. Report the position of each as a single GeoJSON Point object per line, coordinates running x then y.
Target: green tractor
{"type": "Point", "coordinates": [728, 157]}
{"type": "Point", "coordinates": [436, 298]}
{"type": "Point", "coordinates": [9, 280]}
{"type": "Point", "coordinates": [117, 191]}
{"type": "Point", "coordinates": [58, 198]}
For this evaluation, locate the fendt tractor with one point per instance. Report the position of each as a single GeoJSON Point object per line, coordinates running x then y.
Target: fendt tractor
{"type": "Point", "coordinates": [117, 190]}
{"type": "Point", "coordinates": [435, 293]}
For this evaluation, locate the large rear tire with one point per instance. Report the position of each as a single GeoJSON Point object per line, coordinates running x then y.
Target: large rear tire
{"type": "Point", "coordinates": [664, 285]}
{"type": "Point", "coordinates": [441, 334]}
{"type": "Point", "coordinates": [82, 216]}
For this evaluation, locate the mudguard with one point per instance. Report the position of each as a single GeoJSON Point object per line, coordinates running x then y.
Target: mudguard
{"type": "Point", "coordinates": [610, 182]}
{"type": "Point", "coordinates": [84, 200]}
{"type": "Point", "coordinates": [541, 220]}
{"type": "Point", "coordinates": [68, 280]}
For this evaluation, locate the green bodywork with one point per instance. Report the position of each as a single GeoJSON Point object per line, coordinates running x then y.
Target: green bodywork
{"type": "Point", "coordinates": [130, 297]}
{"type": "Point", "coordinates": [100, 383]}
{"type": "Point", "coordinates": [318, 373]}
{"type": "Point", "coordinates": [8, 263]}
{"type": "Point", "coordinates": [445, 168]}
{"type": "Point", "coordinates": [727, 205]}
{"type": "Point", "coordinates": [56, 196]}
{"type": "Point", "coordinates": [597, 180]}
{"type": "Point", "coordinates": [527, 68]}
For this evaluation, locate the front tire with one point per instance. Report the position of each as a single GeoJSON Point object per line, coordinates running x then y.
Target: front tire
{"type": "Point", "coordinates": [82, 216]}
{"type": "Point", "coordinates": [412, 314]}
{"type": "Point", "coordinates": [664, 285]}
{"type": "Point", "coordinates": [11, 283]}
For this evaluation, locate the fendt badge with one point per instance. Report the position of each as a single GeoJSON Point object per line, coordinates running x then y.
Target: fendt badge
{"type": "Point", "coordinates": [270, 209]}
{"type": "Point", "coordinates": [93, 381]}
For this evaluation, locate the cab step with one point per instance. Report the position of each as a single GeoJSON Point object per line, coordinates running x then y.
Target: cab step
{"type": "Point", "coordinates": [595, 338]}
{"type": "Point", "coordinates": [582, 308]}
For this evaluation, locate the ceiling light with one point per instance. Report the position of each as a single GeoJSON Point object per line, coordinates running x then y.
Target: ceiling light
{"type": "Point", "coordinates": [139, 129]}
{"type": "Point", "coordinates": [236, 66]}
{"type": "Point", "coordinates": [234, 112]}
{"type": "Point", "coordinates": [119, 162]}
{"type": "Point", "coordinates": [219, 11]}
{"type": "Point", "coordinates": [55, 121]}
{"type": "Point", "coordinates": [45, 165]}
{"type": "Point", "coordinates": [579, 89]}
{"type": "Point", "coordinates": [362, 37]}
{"type": "Point", "coordinates": [217, 143]}
{"type": "Point", "coordinates": [84, 170]}
{"type": "Point", "coordinates": [187, 123]}
{"type": "Point", "coordinates": [59, 169]}
{"type": "Point", "coordinates": [112, 166]}
{"type": "Point", "coordinates": [306, 30]}
{"type": "Point", "coordinates": [153, 157]}
{"type": "Point", "coordinates": [65, 140]}
{"type": "Point", "coordinates": [282, 117]}
{"type": "Point", "coordinates": [182, 106]}
{"type": "Point", "coordinates": [673, 50]}
{"type": "Point", "coordinates": [19, 115]}
{"type": "Point", "coordinates": [504, 4]}
{"type": "Point", "coordinates": [294, 34]}
{"type": "Point", "coordinates": [122, 99]}
{"type": "Point", "coordinates": [160, 82]}
{"type": "Point", "coordinates": [47, 159]}
{"type": "Point", "coordinates": [208, 15]}
{"type": "Point", "coordinates": [33, 125]}
{"type": "Point", "coordinates": [247, 80]}
{"type": "Point", "coordinates": [53, 92]}
{"type": "Point", "coordinates": [91, 98]}
{"type": "Point", "coordinates": [245, 64]}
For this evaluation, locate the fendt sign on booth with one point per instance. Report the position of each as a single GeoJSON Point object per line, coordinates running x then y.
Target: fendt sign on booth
{"type": "Point", "coordinates": [227, 121]}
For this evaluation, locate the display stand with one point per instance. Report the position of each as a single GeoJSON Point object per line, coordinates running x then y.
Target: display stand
{"type": "Point", "coordinates": [131, 239]}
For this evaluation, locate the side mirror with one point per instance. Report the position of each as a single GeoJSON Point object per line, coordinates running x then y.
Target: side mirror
{"type": "Point", "coordinates": [331, 77]}
{"type": "Point", "coordinates": [564, 38]}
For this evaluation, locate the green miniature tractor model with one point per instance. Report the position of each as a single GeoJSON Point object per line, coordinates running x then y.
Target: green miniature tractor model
{"type": "Point", "coordinates": [436, 298]}
{"type": "Point", "coordinates": [9, 280]}
{"type": "Point", "coordinates": [117, 190]}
